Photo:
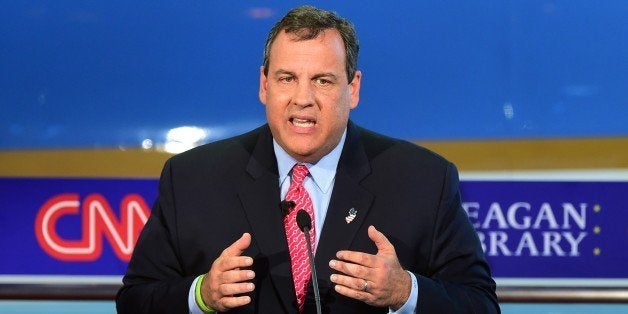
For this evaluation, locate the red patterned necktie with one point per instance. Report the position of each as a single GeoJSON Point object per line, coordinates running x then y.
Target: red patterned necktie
{"type": "Point", "coordinates": [296, 239]}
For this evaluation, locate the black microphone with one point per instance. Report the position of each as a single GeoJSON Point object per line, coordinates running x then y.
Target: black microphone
{"type": "Point", "coordinates": [286, 206]}
{"type": "Point", "coordinates": [305, 224]}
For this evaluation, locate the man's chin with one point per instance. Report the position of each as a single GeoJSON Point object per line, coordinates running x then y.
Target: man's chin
{"type": "Point", "coordinates": [303, 155]}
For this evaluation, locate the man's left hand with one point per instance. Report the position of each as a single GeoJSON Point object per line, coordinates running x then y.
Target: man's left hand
{"type": "Point", "coordinates": [379, 280]}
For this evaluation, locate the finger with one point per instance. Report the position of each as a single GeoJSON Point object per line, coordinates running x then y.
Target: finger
{"type": "Point", "coordinates": [233, 262]}
{"type": "Point", "coordinates": [350, 269]}
{"type": "Point", "coordinates": [359, 258]}
{"type": "Point", "coordinates": [350, 282]}
{"type": "Point", "coordinates": [233, 276]}
{"type": "Point", "coordinates": [352, 293]}
{"type": "Point", "coordinates": [380, 240]}
{"type": "Point", "coordinates": [232, 302]}
{"type": "Point", "coordinates": [238, 247]}
{"type": "Point", "coordinates": [236, 288]}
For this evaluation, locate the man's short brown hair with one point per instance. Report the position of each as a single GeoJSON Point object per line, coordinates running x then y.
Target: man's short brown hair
{"type": "Point", "coordinates": [307, 22]}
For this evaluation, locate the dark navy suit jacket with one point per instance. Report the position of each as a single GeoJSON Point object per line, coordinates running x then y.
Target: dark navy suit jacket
{"type": "Point", "coordinates": [210, 195]}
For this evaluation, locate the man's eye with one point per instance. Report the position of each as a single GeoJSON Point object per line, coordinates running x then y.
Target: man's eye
{"type": "Point", "coordinates": [286, 79]}
{"type": "Point", "coordinates": [323, 82]}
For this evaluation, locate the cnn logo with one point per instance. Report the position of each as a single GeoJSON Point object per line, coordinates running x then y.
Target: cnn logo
{"type": "Point", "coordinates": [97, 222]}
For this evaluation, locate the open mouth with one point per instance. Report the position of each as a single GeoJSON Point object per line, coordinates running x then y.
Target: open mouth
{"type": "Point", "coordinates": [302, 123]}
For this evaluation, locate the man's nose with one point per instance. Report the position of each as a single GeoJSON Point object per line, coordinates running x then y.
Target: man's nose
{"type": "Point", "coordinates": [303, 94]}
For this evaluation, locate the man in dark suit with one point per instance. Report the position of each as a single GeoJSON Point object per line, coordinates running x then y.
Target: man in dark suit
{"type": "Point", "coordinates": [389, 230]}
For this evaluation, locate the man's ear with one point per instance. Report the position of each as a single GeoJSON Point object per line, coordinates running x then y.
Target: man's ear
{"type": "Point", "coordinates": [354, 89]}
{"type": "Point", "coordinates": [263, 85]}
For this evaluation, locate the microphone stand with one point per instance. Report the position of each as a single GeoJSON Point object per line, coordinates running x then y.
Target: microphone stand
{"type": "Point", "coordinates": [317, 294]}
{"type": "Point", "coordinates": [304, 222]}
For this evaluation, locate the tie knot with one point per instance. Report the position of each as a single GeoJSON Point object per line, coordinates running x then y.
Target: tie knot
{"type": "Point", "coordinates": [299, 172]}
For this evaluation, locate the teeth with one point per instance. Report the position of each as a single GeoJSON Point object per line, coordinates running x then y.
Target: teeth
{"type": "Point", "coordinates": [302, 123]}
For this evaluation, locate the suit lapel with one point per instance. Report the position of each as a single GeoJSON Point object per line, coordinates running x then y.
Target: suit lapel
{"type": "Point", "coordinates": [260, 200]}
{"type": "Point", "coordinates": [337, 233]}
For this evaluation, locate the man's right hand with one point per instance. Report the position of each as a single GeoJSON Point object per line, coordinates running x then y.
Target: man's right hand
{"type": "Point", "coordinates": [226, 278]}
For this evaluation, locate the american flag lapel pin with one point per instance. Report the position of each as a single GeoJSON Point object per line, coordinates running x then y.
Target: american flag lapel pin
{"type": "Point", "coordinates": [351, 216]}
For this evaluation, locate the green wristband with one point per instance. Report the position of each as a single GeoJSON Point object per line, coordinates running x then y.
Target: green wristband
{"type": "Point", "coordinates": [199, 298]}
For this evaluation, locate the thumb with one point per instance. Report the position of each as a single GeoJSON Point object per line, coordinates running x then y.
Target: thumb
{"type": "Point", "coordinates": [238, 247]}
{"type": "Point", "coordinates": [381, 242]}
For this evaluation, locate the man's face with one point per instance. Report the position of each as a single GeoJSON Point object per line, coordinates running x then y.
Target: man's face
{"type": "Point", "coordinates": [307, 94]}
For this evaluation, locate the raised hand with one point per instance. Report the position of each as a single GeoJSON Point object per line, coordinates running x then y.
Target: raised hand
{"type": "Point", "coordinates": [378, 280]}
{"type": "Point", "coordinates": [225, 279]}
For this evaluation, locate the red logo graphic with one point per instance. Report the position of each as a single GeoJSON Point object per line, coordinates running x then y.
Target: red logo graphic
{"type": "Point", "coordinates": [97, 219]}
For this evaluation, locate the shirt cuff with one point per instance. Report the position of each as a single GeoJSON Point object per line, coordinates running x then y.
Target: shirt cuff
{"type": "Point", "coordinates": [410, 305]}
{"type": "Point", "coordinates": [194, 309]}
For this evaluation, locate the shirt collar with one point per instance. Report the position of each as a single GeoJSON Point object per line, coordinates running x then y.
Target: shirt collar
{"type": "Point", "coordinates": [322, 172]}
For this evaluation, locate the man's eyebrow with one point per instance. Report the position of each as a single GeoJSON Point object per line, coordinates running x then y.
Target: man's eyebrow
{"type": "Point", "coordinates": [282, 72]}
{"type": "Point", "coordinates": [326, 74]}
{"type": "Point", "coordinates": [315, 76]}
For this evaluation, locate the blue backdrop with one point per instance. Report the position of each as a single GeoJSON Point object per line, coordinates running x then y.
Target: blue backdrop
{"type": "Point", "coordinates": [111, 73]}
